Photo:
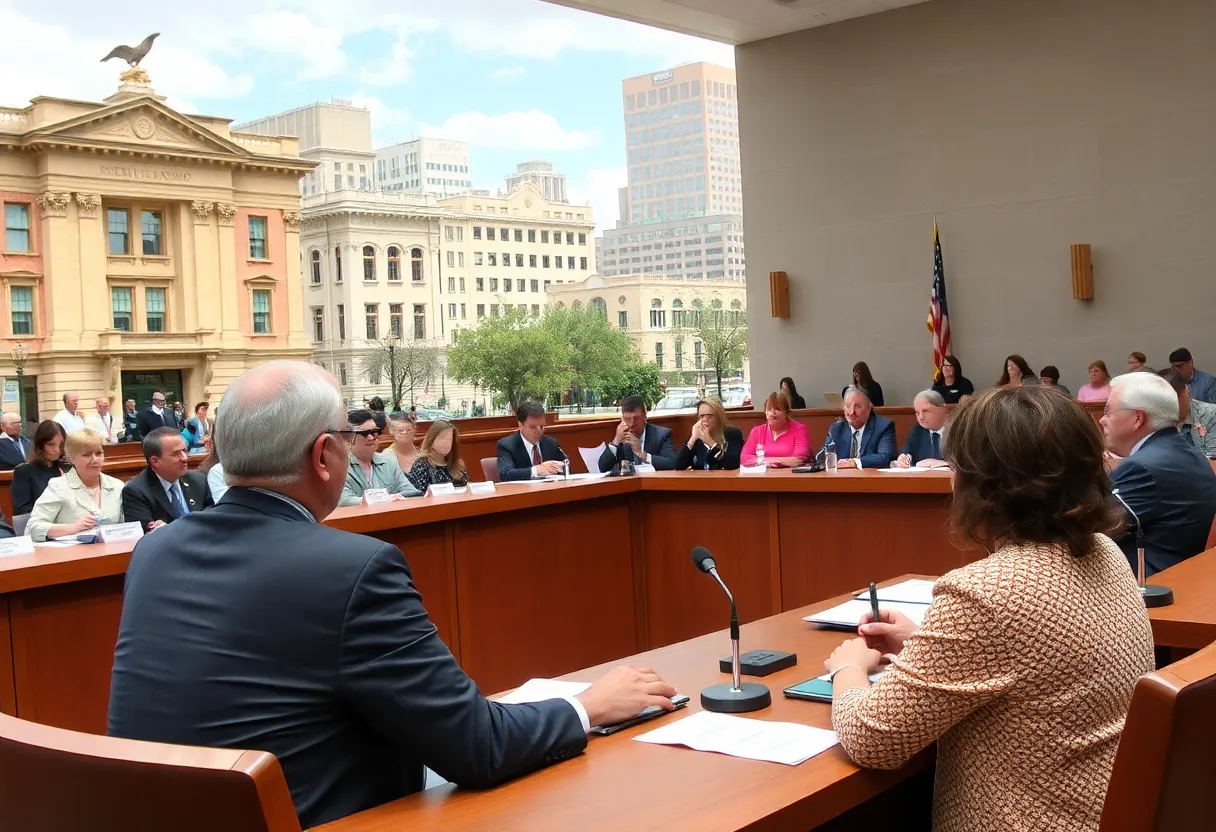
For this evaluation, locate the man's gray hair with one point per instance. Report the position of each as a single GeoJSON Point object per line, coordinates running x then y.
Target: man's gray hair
{"type": "Point", "coordinates": [271, 416]}
{"type": "Point", "coordinates": [1148, 392]}
{"type": "Point", "coordinates": [853, 390]}
{"type": "Point", "coordinates": [931, 396]}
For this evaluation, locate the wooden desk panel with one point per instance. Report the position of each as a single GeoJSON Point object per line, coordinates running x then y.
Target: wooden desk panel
{"type": "Point", "coordinates": [8, 695]}
{"type": "Point", "coordinates": [1190, 621]}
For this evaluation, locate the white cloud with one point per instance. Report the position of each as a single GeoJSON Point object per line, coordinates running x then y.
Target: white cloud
{"type": "Point", "coordinates": [508, 73]}
{"type": "Point", "coordinates": [600, 189]}
{"type": "Point", "coordinates": [390, 125]}
{"type": "Point", "coordinates": [533, 130]}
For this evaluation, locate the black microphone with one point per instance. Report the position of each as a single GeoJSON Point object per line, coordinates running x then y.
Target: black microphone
{"type": "Point", "coordinates": [1154, 596]}
{"type": "Point", "coordinates": [739, 696]}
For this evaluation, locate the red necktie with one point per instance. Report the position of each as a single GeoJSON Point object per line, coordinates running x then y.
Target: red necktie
{"type": "Point", "coordinates": [536, 460]}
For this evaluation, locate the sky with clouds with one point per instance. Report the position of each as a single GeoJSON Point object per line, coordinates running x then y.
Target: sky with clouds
{"type": "Point", "coordinates": [517, 79]}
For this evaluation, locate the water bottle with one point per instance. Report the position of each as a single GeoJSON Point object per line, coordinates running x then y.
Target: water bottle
{"type": "Point", "coordinates": [566, 468]}
{"type": "Point", "coordinates": [829, 457]}
{"type": "Point", "coordinates": [760, 455]}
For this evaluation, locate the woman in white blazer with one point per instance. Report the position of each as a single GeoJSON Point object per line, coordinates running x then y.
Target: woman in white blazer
{"type": "Point", "coordinates": [74, 502]}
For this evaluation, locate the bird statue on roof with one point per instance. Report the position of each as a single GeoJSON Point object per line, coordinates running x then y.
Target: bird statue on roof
{"type": "Point", "coordinates": [133, 55]}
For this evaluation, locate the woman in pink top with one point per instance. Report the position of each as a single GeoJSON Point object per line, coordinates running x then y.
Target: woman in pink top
{"type": "Point", "coordinates": [1098, 388]}
{"type": "Point", "coordinates": [786, 442]}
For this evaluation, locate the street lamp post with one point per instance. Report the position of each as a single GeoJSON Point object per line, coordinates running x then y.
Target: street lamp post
{"type": "Point", "coordinates": [20, 353]}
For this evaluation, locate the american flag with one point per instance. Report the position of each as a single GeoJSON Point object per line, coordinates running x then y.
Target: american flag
{"type": "Point", "coordinates": [938, 322]}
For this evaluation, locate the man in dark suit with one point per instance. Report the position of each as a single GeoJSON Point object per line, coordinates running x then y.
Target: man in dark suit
{"type": "Point", "coordinates": [253, 626]}
{"type": "Point", "coordinates": [156, 416]}
{"type": "Point", "coordinates": [639, 441]}
{"type": "Point", "coordinates": [14, 448]}
{"type": "Point", "coordinates": [130, 423]}
{"type": "Point", "coordinates": [166, 490]}
{"type": "Point", "coordinates": [1169, 486]}
{"type": "Point", "coordinates": [528, 453]}
{"type": "Point", "coordinates": [923, 447]}
{"type": "Point", "coordinates": [863, 439]}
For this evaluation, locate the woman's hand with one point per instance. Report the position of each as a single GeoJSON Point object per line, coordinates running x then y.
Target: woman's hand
{"type": "Point", "coordinates": [697, 433]}
{"type": "Point", "coordinates": [888, 634]}
{"type": "Point", "coordinates": [854, 652]}
{"type": "Point", "coordinates": [84, 523]}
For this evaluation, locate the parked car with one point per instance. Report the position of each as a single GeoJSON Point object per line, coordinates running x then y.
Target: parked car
{"type": "Point", "coordinates": [680, 400]}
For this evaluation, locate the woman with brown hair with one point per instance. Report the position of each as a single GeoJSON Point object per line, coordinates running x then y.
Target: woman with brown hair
{"type": "Point", "coordinates": [715, 444]}
{"type": "Point", "coordinates": [1023, 669]}
{"type": "Point", "coordinates": [863, 379]}
{"type": "Point", "coordinates": [1138, 362]}
{"type": "Point", "coordinates": [44, 464]}
{"type": "Point", "coordinates": [779, 441]}
{"type": "Point", "coordinates": [439, 460]}
{"type": "Point", "coordinates": [1017, 372]}
{"type": "Point", "coordinates": [1098, 389]}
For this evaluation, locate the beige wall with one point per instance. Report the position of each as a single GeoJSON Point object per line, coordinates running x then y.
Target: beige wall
{"type": "Point", "coordinates": [1025, 125]}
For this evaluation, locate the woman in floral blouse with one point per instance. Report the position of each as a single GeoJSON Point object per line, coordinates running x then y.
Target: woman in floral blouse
{"type": "Point", "coordinates": [439, 460]}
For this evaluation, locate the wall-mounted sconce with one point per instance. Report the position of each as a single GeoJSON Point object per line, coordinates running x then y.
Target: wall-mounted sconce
{"type": "Point", "coordinates": [1082, 272]}
{"type": "Point", "coordinates": [779, 291]}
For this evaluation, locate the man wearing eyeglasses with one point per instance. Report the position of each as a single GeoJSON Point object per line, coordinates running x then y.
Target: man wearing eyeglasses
{"type": "Point", "coordinates": [1201, 385]}
{"type": "Point", "coordinates": [368, 469]}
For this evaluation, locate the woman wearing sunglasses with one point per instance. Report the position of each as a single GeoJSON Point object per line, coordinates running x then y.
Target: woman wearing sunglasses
{"type": "Point", "coordinates": [368, 469]}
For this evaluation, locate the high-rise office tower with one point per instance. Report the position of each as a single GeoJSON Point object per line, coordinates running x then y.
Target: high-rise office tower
{"type": "Point", "coordinates": [541, 174]}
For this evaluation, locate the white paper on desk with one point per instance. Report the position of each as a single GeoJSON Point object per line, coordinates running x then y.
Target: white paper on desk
{"type": "Point", "coordinates": [849, 613]}
{"type": "Point", "coordinates": [529, 481]}
{"type": "Point", "coordinates": [753, 739]}
{"type": "Point", "coordinates": [752, 469]}
{"type": "Point", "coordinates": [584, 477]}
{"type": "Point", "coordinates": [14, 546]}
{"type": "Point", "coordinates": [539, 690]}
{"type": "Point", "coordinates": [912, 470]}
{"type": "Point", "coordinates": [911, 591]}
{"type": "Point", "coordinates": [61, 542]}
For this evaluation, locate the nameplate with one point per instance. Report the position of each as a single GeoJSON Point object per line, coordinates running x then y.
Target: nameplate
{"type": "Point", "coordinates": [643, 468]}
{"type": "Point", "coordinates": [376, 496]}
{"type": "Point", "coordinates": [443, 489]}
{"type": "Point", "coordinates": [119, 532]}
{"type": "Point", "coordinates": [752, 469]}
{"type": "Point", "coordinates": [486, 487]}
{"type": "Point", "coordinates": [13, 546]}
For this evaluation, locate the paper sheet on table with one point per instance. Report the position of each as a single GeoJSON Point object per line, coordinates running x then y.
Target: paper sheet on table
{"type": "Point", "coordinates": [753, 739]}
{"type": "Point", "coordinates": [585, 477]}
{"type": "Point", "coordinates": [912, 470]}
{"type": "Point", "coordinates": [849, 613]}
{"type": "Point", "coordinates": [528, 482]}
{"type": "Point", "coordinates": [66, 540]}
{"type": "Point", "coordinates": [591, 456]}
{"type": "Point", "coordinates": [912, 591]}
{"type": "Point", "coordinates": [538, 690]}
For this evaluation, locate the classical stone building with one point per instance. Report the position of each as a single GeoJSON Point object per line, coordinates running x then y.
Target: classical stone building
{"type": "Point", "coordinates": [144, 249]}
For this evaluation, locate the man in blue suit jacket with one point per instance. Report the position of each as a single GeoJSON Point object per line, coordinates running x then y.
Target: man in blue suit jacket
{"type": "Point", "coordinates": [528, 453]}
{"type": "Point", "coordinates": [1168, 484]}
{"type": "Point", "coordinates": [923, 447]}
{"type": "Point", "coordinates": [639, 441]}
{"type": "Point", "coordinates": [252, 626]}
{"type": "Point", "coordinates": [863, 439]}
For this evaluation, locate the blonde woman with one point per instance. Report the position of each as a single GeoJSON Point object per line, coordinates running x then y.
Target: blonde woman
{"type": "Point", "coordinates": [715, 443]}
{"type": "Point", "coordinates": [78, 500]}
{"type": "Point", "coordinates": [439, 460]}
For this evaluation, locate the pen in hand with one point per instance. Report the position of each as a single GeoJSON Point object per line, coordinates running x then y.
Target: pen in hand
{"type": "Point", "coordinates": [874, 603]}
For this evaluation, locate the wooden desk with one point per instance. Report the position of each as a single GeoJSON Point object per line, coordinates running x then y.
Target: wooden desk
{"type": "Point", "coordinates": [620, 784]}
{"type": "Point", "coordinates": [535, 580]}
{"type": "Point", "coordinates": [1190, 622]}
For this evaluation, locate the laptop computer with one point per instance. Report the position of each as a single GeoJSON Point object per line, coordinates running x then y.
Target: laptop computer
{"type": "Point", "coordinates": [833, 399]}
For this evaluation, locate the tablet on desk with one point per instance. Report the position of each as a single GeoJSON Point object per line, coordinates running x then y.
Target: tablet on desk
{"type": "Point", "coordinates": [818, 689]}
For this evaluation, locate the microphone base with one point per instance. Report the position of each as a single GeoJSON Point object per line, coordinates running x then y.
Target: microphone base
{"type": "Point", "coordinates": [721, 699]}
{"type": "Point", "coordinates": [1157, 596]}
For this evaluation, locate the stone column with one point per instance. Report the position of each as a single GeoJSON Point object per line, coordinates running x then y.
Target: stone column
{"type": "Point", "coordinates": [62, 303]}
{"type": "Point", "coordinates": [230, 323]}
{"type": "Point", "coordinates": [91, 252]}
{"type": "Point", "coordinates": [296, 337]}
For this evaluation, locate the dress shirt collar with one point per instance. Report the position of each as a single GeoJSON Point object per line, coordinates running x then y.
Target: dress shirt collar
{"type": "Point", "coordinates": [528, 446]}
{"type": "Point", "coordinates": [1143, 439]}
{"type": "Point", "coordinates": [168, 486]}
{"type": "Point", "coordinates": [307, 514]}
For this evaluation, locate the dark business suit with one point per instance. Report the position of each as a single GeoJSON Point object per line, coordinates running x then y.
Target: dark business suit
{"type": "Point", "coordinates": [130, 424]}
{"type": "Point", "coordinates": [877, 441]}
{"type": "Point", "coordinates": [249, 626]}
{"type": "Point", "coordinates": [722, 459]}
{"type": "Point", "coordinates": [13, 453]}
{"type": "Point", "coordinates": [29, 481]}
{"type": "Point", "coordinates": [514, 462]}
{"type": "Point", "coordinates": [1172, 489]}
{"type": "Point", "coordinates": [657, 442]}
{"type": "Point", "coordinates": [148, 421]}
{"type": "Point", "coordinates": [919, 445]}
{"type": "Point", "coordinates": [144, 498]}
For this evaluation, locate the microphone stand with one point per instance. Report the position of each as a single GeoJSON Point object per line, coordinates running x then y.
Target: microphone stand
{"type": "Point", "coordinates": [738, 697]}
{"type": "Point", "coordinates": [1154, 596]}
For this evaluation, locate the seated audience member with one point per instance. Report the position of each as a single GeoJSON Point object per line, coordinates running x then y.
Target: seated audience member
{"type": "Point", "coordinates": [791, 391]}
{"type": "Point", "coordinates": [74, 502]}
{"type": "Point", "coordinates": [1196, 419]}
{"type": "Point", "coordinates": [1050, 377]}
{"type": "Point", "coordinates": [715, 444]}
{"type": "Point", "coordinates": [197, 430]}
{"type": "Point", "coordinates": [1170, 488]}
{"type": "Point", "coordinates": [924, 445]}
{"type": "Point", "coordinates": [786, 443]}
{"type": "Point", "coordinates": [863, 438]}
{"type": "Point", "coordinates": [312, 643]}
{"type": "Point", "coordinates": [639, 441]}
{"type": "Point", "coordinates": [1023, 741]}
{"type": "Point", "coordinates": [439, 460]}
{"type": "Point", "coordinates": [954, 387]}
{"type": "Point", "coordinates": [1016, 373]}
{"type": "Point", "coordinates": [368, 469]}
{"type": "Point", "coordinates": [14, 448]}
{"type": "Point", "coordinates": [863, 379]}
{"type": "Point", "coordinates": [1098, 389]}
{"type": "Point", "coordinates": [402, 452]}
{"type": "Point", "coordinates": [166, 490]}
{"type": "Point", "coordinates": [528, 453]}
{"type": "Point", "coordinates": [1138, 362]}
{"type": "Point", "coordinates": [45, 463]}
{"type": "Point", "coordinates": [214, 471]}
{"type": "Point", "coordinates": [1201, 385]}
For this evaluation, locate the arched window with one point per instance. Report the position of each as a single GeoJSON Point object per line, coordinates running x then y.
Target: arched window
{"type": "Point", "coordinates": [561, 305]}
{"type": "Point", "coordinates": [316, 266]}
{"type": "Point", "coordinates": [338, 264]}
{"type": "Point", "coordinates": [600, 307]}
{"type": "Point", "coordinates": [677, 304]}
{"type": "Point", "coordinates": [736, 304]}
{"type": "Point", "coordinates": [698, 304]}
{"type": "Point", "coordinates": [716, 303]}
{"type": "Point", "coordinates": [416, 265]}
{"type": "Point", "coordinates": [394, 264]}
{"type": "Point", "coordinates": [656, 304]}
{"type": "Point", "coordinates": [369, 263]}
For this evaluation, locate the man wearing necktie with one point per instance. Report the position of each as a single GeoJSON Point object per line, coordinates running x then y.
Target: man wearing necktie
{"type": "Point", "coordinates": [924, 446]}
{"type": "Point", "coordinates": [166, 490]}
{"type": "Point", "coordinates": [528, 453]}
{"type": "Point", "coordinates": [870, 438]}
{"type": "Point", "coordinates": [14, 448]}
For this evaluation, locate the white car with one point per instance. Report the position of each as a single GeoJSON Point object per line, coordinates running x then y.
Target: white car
{"type": "Point", "coordinates": [677, 401]}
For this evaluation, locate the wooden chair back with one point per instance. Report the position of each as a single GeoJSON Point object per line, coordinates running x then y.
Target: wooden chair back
{"type": "Point", "coordinates": [52, 780]}
{"type": "Point", "coordinates": [489, 468]}
{"type": "Point", "coordinates": [1166, 763]}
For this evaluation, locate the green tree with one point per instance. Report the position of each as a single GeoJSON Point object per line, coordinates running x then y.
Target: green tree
{"type": "Point", "coordinates": [598, 352]}
{"type": "Point", "coordinates": [406, 364]}
{"type": "Point", "coordinates": [638, 378]}
{"type": "Point", "coordinates": [723, 337]}
{"type": "Point", "coordinates": [510, 355]}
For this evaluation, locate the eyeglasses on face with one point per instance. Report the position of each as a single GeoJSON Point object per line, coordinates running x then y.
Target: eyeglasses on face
{"type": "Point", "coordinates": [349, 435]}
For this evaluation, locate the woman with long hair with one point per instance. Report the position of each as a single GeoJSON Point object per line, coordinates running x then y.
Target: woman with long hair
{"type": "Point", "coordinates": [45, 462]}
{"type": "Point", "coordinates": [1098, 389]}
{"type": "Point", "coordinates": [954, 387]}
{"type": "Point", "coordinates": [863, 379]}
{"type": "Point", "coordinates": [715, 444]}
{"type": "Point", "coordinates": [1017, 372]}
{"type": "Point", "coordinates": [796, 401]}
{"type": "Point", "coordinates": [439, 460]}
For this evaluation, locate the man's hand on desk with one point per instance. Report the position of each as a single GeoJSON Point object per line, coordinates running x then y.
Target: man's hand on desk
{"type": "Point", "coordinates": [846, 463]}
{"type": "Point", "coordinates": [888, 634]}
{"type": "Point", "coordinates": [549, 468]}
{"type": "Point", "coordinates": [624, 693]}
{"type": "Point", "coordinates": [904, 461]}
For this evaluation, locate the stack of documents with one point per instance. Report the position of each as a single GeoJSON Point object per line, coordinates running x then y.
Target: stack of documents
{"type": "Point", "coordinates": [912, 598]}
{"type": "Point", "coordinates": [752, 739]}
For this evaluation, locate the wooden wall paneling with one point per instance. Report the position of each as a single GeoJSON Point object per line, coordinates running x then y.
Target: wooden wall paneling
{"type": "Point", "coordinates": [63, 651]}
{"type": "Point", "coordinates": [426, 550]}
{"type": "Point", "coordinates": [637, 525]}
{"type": "Point", "coordinates": [545, 590]}
{"type": "Point", "coordinates": [682, 602]}
{"type": "Point", "coordinates": [774, 552]}
{"type": "Point", "coordinates": [8, 691]}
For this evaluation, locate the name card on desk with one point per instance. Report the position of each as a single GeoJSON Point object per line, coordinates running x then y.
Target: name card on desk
{"type": "Point", "coordinates": [376, 496]}
{"type": "Point", "coordinates": [443, 489]}
{"type": "Point", "coordinates": [486, 487]}
{"type": "Point", "coordinates": [643, 468]}
{"type": "Point", "coordinates": [118, 532]}
{"type": "Point", "coordinates": [752, 469]}
{"type": "Point", "coordinates": [13, 546]}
